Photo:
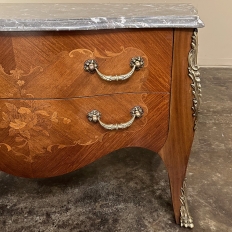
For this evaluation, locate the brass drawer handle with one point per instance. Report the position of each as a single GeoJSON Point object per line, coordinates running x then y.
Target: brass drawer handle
{"type": "Point", "coordinates": [136, 63]}
{"type": "Point", "coordinates": [95, 115]}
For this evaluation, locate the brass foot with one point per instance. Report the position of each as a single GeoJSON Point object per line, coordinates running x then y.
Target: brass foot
{"type": "Point", "coordinates": [185, 219]}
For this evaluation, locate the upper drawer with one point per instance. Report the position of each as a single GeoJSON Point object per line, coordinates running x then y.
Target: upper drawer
{"type": "Point", "coordinates": [51, 64]}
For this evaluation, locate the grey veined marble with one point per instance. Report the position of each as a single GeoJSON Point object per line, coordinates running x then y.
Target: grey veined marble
{"type": "Point", "coordinates": [43, 17]}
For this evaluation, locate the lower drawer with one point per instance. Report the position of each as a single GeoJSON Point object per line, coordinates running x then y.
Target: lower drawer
{"type": "Point", "coordinates": [42, 138]}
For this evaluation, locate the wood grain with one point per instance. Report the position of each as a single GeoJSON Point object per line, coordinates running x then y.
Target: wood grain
{"type": "Point", "coordinates": [7, 57]}
{"type": "Point", "coordinates": [176, 150]}
{"type": "Point", "coordinates": [66, 77]}
{"type": "Point", "coordinates": [63, 76]}
{"type": "Point", "coordinates": [42, 138]}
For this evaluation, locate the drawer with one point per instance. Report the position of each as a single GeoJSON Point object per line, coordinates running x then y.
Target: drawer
{"type": "Point", "coordinates": [51, 64]}
{"type": "Point", "coordinates": [44, 134]}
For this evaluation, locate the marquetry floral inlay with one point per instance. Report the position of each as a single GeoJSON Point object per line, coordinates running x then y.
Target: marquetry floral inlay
{"type": "Point", "coordinates": [38, 112]}
{"type": "Point", "coordinates": [29, 125]}
{"type": "Point", "coordinates": [13, 84]}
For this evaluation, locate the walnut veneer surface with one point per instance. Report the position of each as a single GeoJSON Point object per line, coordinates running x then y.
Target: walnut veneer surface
{"type": "Point", "coordinates": [45, 96]}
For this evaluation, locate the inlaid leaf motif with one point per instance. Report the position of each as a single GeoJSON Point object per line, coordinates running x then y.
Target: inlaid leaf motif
{"type": "Point", "coordinates": [35, 147]}
{"type": "Point", "coordinates": [45, 133]}
{"type": "Point", "coordinates": [12, 132]}
{"type": "Point", "coordinates": [19, 139]}
{"type": "Point", "coordinates": [22, 146]}
{"type": "Point", "coordinates": [24, 110]}
{"type": "Point", "coordinates": [62, 146]}
{"type": "Point", "coordinates": [49, 148]}
{"type": "Point", "coordinates": [42, 105]}
{"type": "Point", "coordinates": [54, 117]}
{"type": "Point", "coordinates": [37, 128]}
{"type": "Point", "coordinates": [4, 124]}
{"type": "Point", "coordinates": [25, 133]}
{"type": "Point", "coordinates": [17, 124]}
{"type": "Point", "coordinates": [5, 117]}
{"type": "Point", "coordinates": [31, 121]}
{"type": "Point", "coordinates": [42, 112]}
{"type": "Point", "coordinates": [7, 146]}
{"type": "Point", "coordinates": [11, 107]}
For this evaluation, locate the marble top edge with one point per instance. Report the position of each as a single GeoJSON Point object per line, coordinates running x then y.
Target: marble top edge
{"type": "Point", "coordinates": [39, 16]}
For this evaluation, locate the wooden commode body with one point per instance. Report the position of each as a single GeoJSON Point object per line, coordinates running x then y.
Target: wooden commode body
{"type": "Point", "coordinates": [73, 89]}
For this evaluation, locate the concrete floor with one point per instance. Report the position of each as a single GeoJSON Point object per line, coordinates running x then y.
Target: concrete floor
{"type": "Point", "coordinates": [128, 190]}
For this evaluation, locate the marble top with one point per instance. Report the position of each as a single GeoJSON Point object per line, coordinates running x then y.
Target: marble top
{"type": "Point", "coordinates": [44, 17]}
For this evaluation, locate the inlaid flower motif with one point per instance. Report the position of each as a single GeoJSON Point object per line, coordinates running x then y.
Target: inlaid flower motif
{"type": "Point", "coordinates": [30, 125]}
{"type": "Point", "coordinates": [16, 73]}
{"type": "Point", "coordinates": [66, 120]}
{"type": "Point", "coordinates": [20, 83]}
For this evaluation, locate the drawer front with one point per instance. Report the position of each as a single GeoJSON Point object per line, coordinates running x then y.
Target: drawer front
{"type": "Point", "coordinates": [51, 64]}
{"type": "Point", "coordinates": [42, 138]}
